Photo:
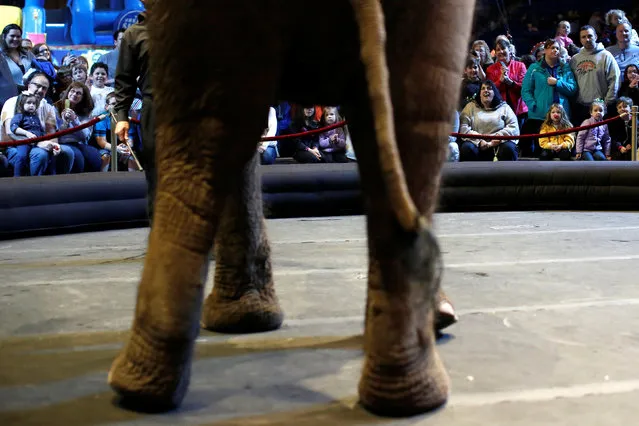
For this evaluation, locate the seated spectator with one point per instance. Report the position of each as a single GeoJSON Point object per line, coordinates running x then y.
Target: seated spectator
{"type": "Point", "coordinates": [453, 147]}
{"type": "Point", "coordinates": [26, 122]}
{"type": "Point", "coordinates": [621, 131]}
{"type": "Point", "coordinates": [79, 74]}
{"type": "Point", "coordinates": [332, 143]}
{"type": "Point", "coordinates": [73, 109]}
{"type": "Point", "coordinates": [488, 115]}
{"type": "Point", "coordinates": [30, 159]}
{"type": "Point", "coordinates": [470, 83]}
{"type": "Point", "coordinates": [594, 144]}
{"type": "Point", "coordinates": [268, 149]}
{"type": "Point", "coordinates": [42, 61]}
{"type": "Point", "coordinates": [307, 146]}
{"type": "Point", "coordinates": [558, 146]}
{"type": "Point", "coordinates": [630, 84]}
{"type": "Point", "coordinates": [102, 134]}
{"type": "Point", "coordinates": [99, 89]}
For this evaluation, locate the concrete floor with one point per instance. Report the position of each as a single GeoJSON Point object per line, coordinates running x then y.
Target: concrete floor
{"type": "Point", "coordinates": [549, 334]}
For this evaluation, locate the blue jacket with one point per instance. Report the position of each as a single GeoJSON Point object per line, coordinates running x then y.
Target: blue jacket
{"type": "Point", "coordinates": [538, 95]}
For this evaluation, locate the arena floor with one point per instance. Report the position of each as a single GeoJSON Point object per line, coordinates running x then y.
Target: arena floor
{"type": "Point", "coordinates": [548, 335]}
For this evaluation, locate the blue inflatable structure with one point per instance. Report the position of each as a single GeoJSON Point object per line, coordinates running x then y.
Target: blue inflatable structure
{"type": "Point", "coordinates": [80, 23]}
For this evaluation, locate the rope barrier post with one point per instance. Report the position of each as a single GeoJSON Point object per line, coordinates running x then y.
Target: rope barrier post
{"type": "Point", "coordinates": [114, 144]}
{"type": "Point", "coordinates": [633, 121]}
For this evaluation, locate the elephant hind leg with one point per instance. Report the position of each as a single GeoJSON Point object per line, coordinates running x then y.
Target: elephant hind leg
{"type": "Point", "coordinates": [243, 299]}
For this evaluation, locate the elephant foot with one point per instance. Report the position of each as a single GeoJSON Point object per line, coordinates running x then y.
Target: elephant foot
{"type": "Point", "coordinates": [409, 388]}
{"type": "Point", "coordinates": [253, 312]}
{"type": "Point", "coordinates": [151, 375]}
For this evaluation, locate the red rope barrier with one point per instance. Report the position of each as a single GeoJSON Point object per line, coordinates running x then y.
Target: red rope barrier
{"type": "Point", "coordinates": [320, 130]}
{"type": "Point", "coordinates": [53, 135]}
{"type": "Point", "coordinates": [309, 132]}
{"type": "Point", "coordinates": [536, 135]}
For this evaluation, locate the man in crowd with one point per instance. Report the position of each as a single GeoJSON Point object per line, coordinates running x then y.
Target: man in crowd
{"type": "Point", "coordinates": [597, 75]}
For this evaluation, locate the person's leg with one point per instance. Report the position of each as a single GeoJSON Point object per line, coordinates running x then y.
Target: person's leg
{"type": "Point", "coordinates": [546, 155]}
{"type": "Point", "coordinates": [78, 158]}
{"type": "Point", "coordinates": [18, 156]}
{"type": "Point", "coordinates": [564, 155]}
{"type": "Point", "coordinates": [507, 151]}
{"type": "Point", "coordinates": [468, 152]}
{"type": "Point", "coordinates": [105, 160]}
{"type": "Point", "coordinates": [305, 157]}
{"type": "Point", "coordinates": [268, 156]}
{"type": "Point", "coordinates": [4, 166]}
{"type": "Point", "coordinates": [92, 160]}
{"type": "Point", "coordinates": [38, 161]}
{"type": "Point", "coordinates": [64, 160]}
{"type": "Point", "coordinates": [340, 157]}
{"type": "Point", "coordinates": [587, 156]}
{"type": "Point", "coordinates": [453, 152]}
{"type": "Point", "coordinates": [598, 155]}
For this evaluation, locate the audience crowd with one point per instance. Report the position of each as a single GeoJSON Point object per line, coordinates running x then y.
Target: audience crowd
{"type": "Point", "coordinates": [578, 75]}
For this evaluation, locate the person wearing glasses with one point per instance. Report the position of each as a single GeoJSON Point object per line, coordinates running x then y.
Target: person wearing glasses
{"type": "Point", "coordinates": [42, 61]}
{"type": "Point", "coordinates": [35, 159]}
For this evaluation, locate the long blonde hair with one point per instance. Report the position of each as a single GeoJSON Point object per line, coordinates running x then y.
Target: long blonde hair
{"type": "Point", "coordinates": [564, 123]}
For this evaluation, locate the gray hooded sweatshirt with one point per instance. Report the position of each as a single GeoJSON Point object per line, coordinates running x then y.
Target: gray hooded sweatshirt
{"type": "Point", "coordinates": [597, 75]}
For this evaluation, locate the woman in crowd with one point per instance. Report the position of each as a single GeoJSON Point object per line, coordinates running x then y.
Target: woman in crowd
{"type": "Point", "coordinates": [547, 82]}
{"type": "Point", "coordinates": [74, 108]}
{"type": "Point", "coordinates": [17, 58]}
{"type": "Point", "coordinates": [630, 84]}
{"type": "Point", "coordinates": [508, 75]}
{"type": "Point", "coordinates": [488, 115]}
{"type": "Point", "coordinates": [480, 49]}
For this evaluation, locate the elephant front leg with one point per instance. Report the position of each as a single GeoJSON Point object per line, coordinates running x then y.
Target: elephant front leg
{"type": "Point", "coordinates": [153, 370]}
{"type": "Point", "coordinates": [243, 299]}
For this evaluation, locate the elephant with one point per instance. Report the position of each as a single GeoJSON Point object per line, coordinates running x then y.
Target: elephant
{"type": "Point", "coordinates": [394, 67]}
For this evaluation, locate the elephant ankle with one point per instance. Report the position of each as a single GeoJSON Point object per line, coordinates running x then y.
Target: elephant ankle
{"type": "Point", "coordinates": [252, 312]}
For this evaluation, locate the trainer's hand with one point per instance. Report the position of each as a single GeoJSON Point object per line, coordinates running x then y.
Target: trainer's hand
{"type": "Point", "coordinates": [122, 130]}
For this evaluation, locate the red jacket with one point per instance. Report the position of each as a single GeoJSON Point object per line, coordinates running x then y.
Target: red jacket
{"type": "Point", "coordinates": [511, 94]}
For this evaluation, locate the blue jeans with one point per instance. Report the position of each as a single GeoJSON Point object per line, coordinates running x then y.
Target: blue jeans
{"type": "Point", "coordinates": [38, 160]}
{"type": "Point", "coordinates": [86, 158]}
{"type": "Point", "coordinates": [63, 162]}
{"type": "Point", "coordinates": [4, 166]}
{"type": "Point", "coordinates": [269, 155]}
{"type": "Point", "coordinates": [506, 151]}
{"type": "Point", "coordinates": [597, 155]}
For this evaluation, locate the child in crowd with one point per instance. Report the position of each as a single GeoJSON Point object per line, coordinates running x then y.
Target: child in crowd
{"type": "Point", "coordinates": [79, 74]}
{"type": "Point", "coordinates": [562, 34]}
{"type": "Point", "coordinates": [102, 134]}
{"type": "Point", "coordinates": [556, 146]}
{"type": "Point", "coordinates": [621, 131]}
{"type": "Point", "coordinates": [307, 146]}
{"type": "Point", "coordinates": [594, 144]}
{"type": "Point", "coordinates": [332, 143]}
{"type": "Point", "coordinates": [26, 122]}
{"type": "Point", "coordinates": [471, 82]}
{"type": "Point", "coordinates": [99, 89]}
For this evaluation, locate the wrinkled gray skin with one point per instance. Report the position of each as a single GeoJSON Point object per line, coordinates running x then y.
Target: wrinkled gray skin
{"type": "Point", "coordinates": [216, 68]}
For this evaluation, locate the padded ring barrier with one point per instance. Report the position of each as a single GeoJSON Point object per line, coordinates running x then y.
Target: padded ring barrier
{"type": "Point", "coordinates": [94, 201]}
